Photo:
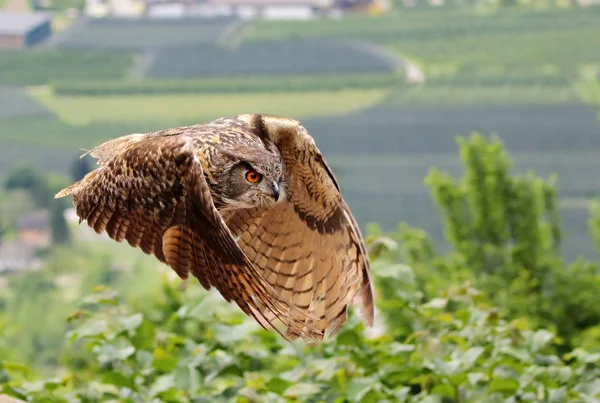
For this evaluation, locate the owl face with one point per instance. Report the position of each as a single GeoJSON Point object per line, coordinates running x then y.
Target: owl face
{"type": "Point", "coordinates": [249, 181]}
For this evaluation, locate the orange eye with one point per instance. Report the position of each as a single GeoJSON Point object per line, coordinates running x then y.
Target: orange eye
{"type": "Point", "coordinates": [253, 176]}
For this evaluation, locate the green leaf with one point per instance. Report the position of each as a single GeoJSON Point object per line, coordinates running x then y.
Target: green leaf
{"type": "Point", "coordinates": [442, 367]}
{"type": "Point", "coordinates": [540, 339]}
{"type": "Point", "coordinates": [144, 336]}
{"type": "Point", "coordinates": [302, 390]}
{"type": "Point", "coordinates": [504, 385]}
{"type": "Point", "coordinates": [518, 353]}
{"type": "Point", "coordinates": [109, 352]}
{"type": "Point", "coordinates": [278, 385]}
{"type": "Point", "coordinates": [348, 338]}
{"type": "Point", "coordinates": [144, 358]}
{"type": "Point", "coordinates": [164, 360]}
{"type": "Point", "coordinates": [437, 303]}
{"type": "Point", "coordinates": [470, 357]}
{"type": "Point", "coordinates": [131, 322]}
{"type": "Point", "coordinates": [118, 379]}
{"type": "Point", "coordinates": [91, 328]}
{"type": "Point", "coordinates": [162, 384]}
{"type": "Point", "coordinates": [557, 395]}
{"type": "Point", "coordinates": [228, 335]}
{"type": "Point", "coordinates": [51, 385]}
{"type": "Point", "coordinates": [16, 368]}
{"type": "Point", "coordinates": [325, 369]}
{"type": "Point", "coordinates": [443, 389]}
{"type": "Point", "coordinates": [591, 388]}
{"type": "Point", "coordinates": [476, 377]}
{"type": "Point", "coordinates": [402, 394]}
{"type": "Point", "coordinates": [359, 387]}
{"type": "Point", "coordinates": [103, 295]}
{"type": "Point", "coordinates": [393, 271]}
{"type": "Point", "coordinates": [397, 348]}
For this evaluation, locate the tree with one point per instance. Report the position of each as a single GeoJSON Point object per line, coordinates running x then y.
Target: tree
{"type": "Point", "coordinates": [60, 229]}
{"type": "Point", "coordinates": [505, 235]}
{"type": "Point", "coordinates": [27, 178]}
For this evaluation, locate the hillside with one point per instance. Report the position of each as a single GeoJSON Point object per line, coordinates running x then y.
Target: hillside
{"type": "Point", "coordinates": [523, 74]}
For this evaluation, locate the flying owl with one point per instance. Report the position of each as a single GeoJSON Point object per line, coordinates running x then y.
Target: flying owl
{"type": "Point", "coordinates": [245, 204]}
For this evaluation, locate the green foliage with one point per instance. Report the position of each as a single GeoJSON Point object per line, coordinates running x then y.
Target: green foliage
{"type": "Point", "coordinates": [520, 334]}
{"type": "Point", "coordinates": [13, 205]}
{"type": "Point", "coordinates": [26, 177]}
{"type": "Point", "coordinates": [505, 235]}
{"type": "Point", "coordinates": [43, 66]}
{"type": "Point", "coordinates": [60, 230]}
{"type": "Point", "coordinates": [36, 304]}
{"type": "Point", "coordinates": [219, 85]}
{"type": "Point", "coordinates": [17, 103]}
{"type": "Point", "coordinates": [460, 350]}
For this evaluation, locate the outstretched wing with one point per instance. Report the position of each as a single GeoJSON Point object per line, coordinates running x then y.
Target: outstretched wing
{"type": "Point", "coordinates": [150, 190]}
{"type": "Point", "coordinates": [309, 248]}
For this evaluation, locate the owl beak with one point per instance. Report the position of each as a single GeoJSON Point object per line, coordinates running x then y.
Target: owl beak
{"type": "Point", "coordinates": [276, 191]}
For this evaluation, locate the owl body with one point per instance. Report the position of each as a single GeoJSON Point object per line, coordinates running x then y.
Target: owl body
{"type": "Point", "coordinates": [245, 204]}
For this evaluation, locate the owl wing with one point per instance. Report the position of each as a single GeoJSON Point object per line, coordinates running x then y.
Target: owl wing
{"type": "Point", "coordinates": [151, 191]}
{"type": "Point", "coordinates": [309, 248]}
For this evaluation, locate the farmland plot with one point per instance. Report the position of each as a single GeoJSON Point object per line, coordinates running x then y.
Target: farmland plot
{"type": "Point", "coordinates": [430, 130]}
{"type": "Point", "coordinates": [383, 155]}
{"type": "Point", "coordinates": [292, 57]}
{"type": "Point", "coordinates": [425, 25]}
{"type": "Point", "coordinates": [43, 66]}
{"type": "Point", "coordinates": [15, 102]}
{"type": "Point", "coordinates": [144, 34]}
{"type": "Point", "coordinates": [172, 110]}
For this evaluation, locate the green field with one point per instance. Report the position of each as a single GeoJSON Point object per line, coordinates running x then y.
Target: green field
{"type": "Point", "coordinates": [142, 35]}
{"type": "Point", "coordinates": [278, 58]}
{"type": "Point", "coordinates": [462, 48]}
{"type": "Point", "coordinates": [16, 102]}
{"type": "Point", "coordinates": [180, 109]}
{"type": "Point", "coordinates": [42, 66]}
{"type": "Point", "coordinates": [224, 85]}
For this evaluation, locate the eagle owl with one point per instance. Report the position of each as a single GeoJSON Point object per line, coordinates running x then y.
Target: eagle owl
{"type": "Point", "coordinates": [245, 204]}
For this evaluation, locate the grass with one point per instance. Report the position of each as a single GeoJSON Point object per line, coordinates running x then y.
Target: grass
{"type": "Point", "coordinates": [223, 85]}
{"type": "Point", "coordinates": [589, 91]}
{"type": "Point", "coordinates": [182, 109]}
{"type": "Point", "coordinates": [16, 102]}
{"type": "Point", "coordinates": [39, 133]}
{"type": "Point", "coordinates": [432, 94]}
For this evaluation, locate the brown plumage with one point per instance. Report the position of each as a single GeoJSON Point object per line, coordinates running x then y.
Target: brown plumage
{"type": "Point", "coordinates": [286, 248]}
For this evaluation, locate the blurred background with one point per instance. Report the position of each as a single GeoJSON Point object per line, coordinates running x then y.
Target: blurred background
{"type": "Point", "coordinates": [384, 86]}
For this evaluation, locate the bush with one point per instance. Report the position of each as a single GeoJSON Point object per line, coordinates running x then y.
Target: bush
{"type": "Point", "coordinates": [505, 235]}
{"type": "Point", "coordinates": [517, 333]}
{"type": "Point", "coordinates": [460, 350]}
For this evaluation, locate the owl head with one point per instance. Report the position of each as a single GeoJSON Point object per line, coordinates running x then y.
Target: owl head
{"type": "Point", "coordinates": [247, 177]}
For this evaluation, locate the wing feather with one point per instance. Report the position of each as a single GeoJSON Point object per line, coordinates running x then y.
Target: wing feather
{"type": "Point", "coordinates": [308, 247]}
{"type": "Point", "coordinates": [150, 190]}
